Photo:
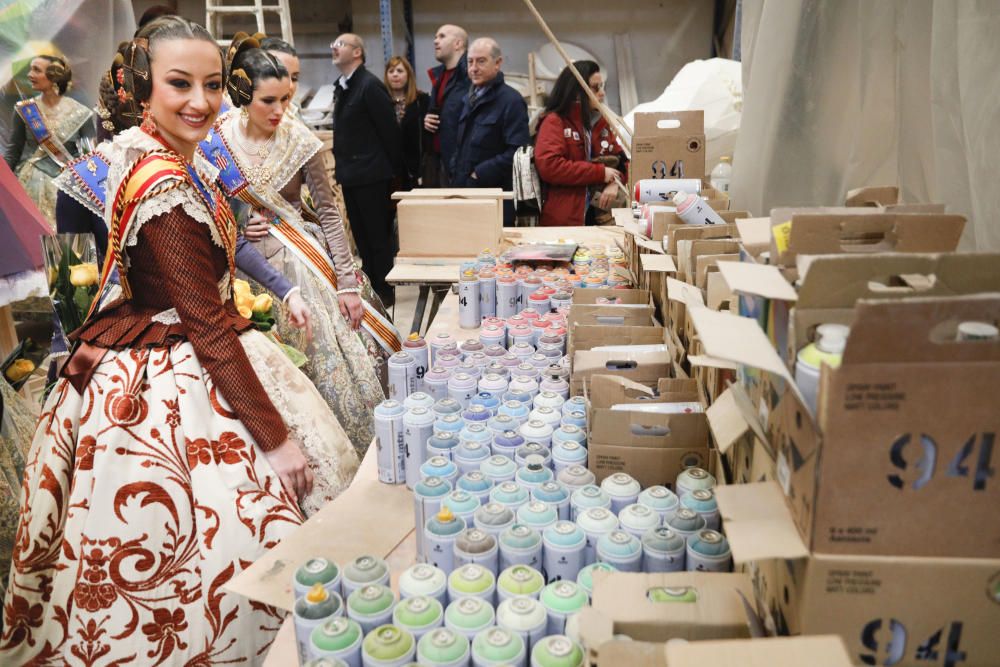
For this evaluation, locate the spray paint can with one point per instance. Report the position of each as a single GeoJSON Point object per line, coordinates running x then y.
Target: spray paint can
{"type": "Point", "coordinates": [548, 415]}
{"type": "Point", "coordinates": [389, 443]}
{"type": "Point", "coordinates": [621, 549]}
{"type": "Point", "coordinates": [595, 522]}
{"type": "Point", "coordinates": [539, 301]}
{"type": "Point", "coordinates": [443, 444]}
{"type": "Point", "coordinates": [691, 479]}
{"type": "Point", "coordinates": [449, 359]}
{"type": "Point", "coordinates": [524, 617]}
{"type": "Point", "coordinates": [519, 395]}
{"type": "Point", "coordinates": [576, 477]}
{"type": "Point", "coordinates": [636, 519]}
{"type": "Point", "coordinates": [438, 343]}
{"type": "Point", "coordinates": [427, 496]}
{"type": "Point", "coordinates": [551, 400]}
{"type": "Point", "coordinates": [469, 347]}
{"type": "Point", "coordinates": [509, 494]}
{"type": "Point", "coordinates": [493, 384]}
{"type": "Point", "coordinates": [498, 469]}
{"type": "Point", "coordinates": [560, 299]}
{"type": "Point", "coordinates": [475, 414]}
{"type": "Point", "coordinates": [338, 638]}
{"type": "Point", "coordinates": [507, 293]}
{"type": "Point", "coordinates": [418, 349]}
{"type": "Point", "coordinates": [461, 388]}
{"type": "Point", "coordinates": [568, 453]}
{"type": "Point", "coordinates": [443, 648]}
{"type": "Point", "coordinates": [622, 488]}
{"type": "Point", "coordinates": [694, 210]}
{"type": "Point", "coordinates": [578, 419]}
{"type": "Point", "coordinates": [686, 523]}
{"type": "Point", "coordinates": [418, 426]}
{"type": "Point", "coordinates": [521, 349]}
{"type": "Point", "coordinates": [569, 433]}
{"type": "Point", "coordinates": [520, 545]}
{"type": "Point", "coordinates": [708, 551]}
{"type": "Point", "coordinates": [312, 610]}
{"type": "Point", "coordinates": [519, 334]}
{"type": "Point", "coordinates": [586, 576]}
{"type": "Point", "coordinates": [423, 580]}
{"type": "Point", "coordinates": [555, 495]}
{"type": "Point", "coordinates": [439, 466]}
{"type": "Point", "coordinates": [402, 376]}
{"type": "Point", "coordinates": [661, 500]}
{"type": "Point", "coordinates": [419, 399]}
{"type": "Point", "coordinates": [561, 599]}
{"type": "Point", "coordinates": [497, 350]}
{"type": "Point", "coordinates": [446, 406]}
{"type": "Point", "coordinates": [387, 646]}
{"type": "Point", "coordinates": [535, 430]}
{"type": "Point", "coordinates": [507, 444]}
{"type": "Point", "coordinates": [472, 581]}
{"type": "Point", "coordinates": [371, 606]}
{"type": "Point", "coordinates": [473, 369]}
{"type": "Point", "coordinates": [575, 404]}
{"type": "Point", "coordinates": [477, 485]}
{"type": "Point", "coordinates": [558, 386]}
{"type": "Point", "coordinates": [363, 571]}
{"type": "Point", "coordinates": [526, 287]}
{"type": "Point", "coordinates": [516, 410]}
{"type": "Point", "coordinates": [532, 449]}
{"type": "Point", "coordinates": [557, 651]}
{"type": "Point", "coordinates": [563, 552]}
{"type": "Point", "coordinates": [440, 533]}
{"type": "Point", "coordinates": [523, 383]}
{"type": "Point", "coordinates": [468, 616]}
{"type": "Point", "coordinates": [663, 550]}
{"type": "Point", "coordinates": [493, 518]}
{"type": "Point", "coordinates": [461, 504]}
{"type": "Point", "coordinates": [533, 473]}
{"type": "Point", "coordinates": [470, 454]}
{"type": "Point", "coordinates": [537, 515]}
{"type": "Point", "coordinates": [468, 301]}
{"type": "Point", "coordinates": [519, 581]}
{"type": "Point", "coordinates": [494, 339]}
{"type": "Point", "coordinates": [510, 362]}
{"type": "Point", "coordinates": [659, 190]}
{"type": "Point", "coordinates": [500, 423]}
{"type": "Point", "coordinates": [452, 424]}
{"type": "Point", "coordinates": [487, 294]}
{"type": "Point", "coordinates": [316, 571]}
{"type": "Point", "coordinates": [474, 546]}
{"type": "Point", "coordinates": [586, 497]}
{"type": "Point", "coordinates": [703, 502]}
{"type": "Point", "coordinates": [418, 615]}
{"type": "Point", "coordinates": [495, 647]}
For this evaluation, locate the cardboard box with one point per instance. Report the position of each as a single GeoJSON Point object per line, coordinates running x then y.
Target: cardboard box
{"type": "Point", "coordinates": [828, 231]}
{"type": "Point", "coordinates": [667, 144]}
{"type": "Point", "coordinates": [909, 612]}
{"type": "Point", "coordinates": [735, 432]}
{"type": "Point", "coordinates": [906, 423]}
{"type": "Point", "coordinates": [653, 448]}
{"type": "Point", "coordinates": [655, 269]}
{"type": "Point", "coordinates": [666, 224]}
{"type": "Point", "coordinates": [819, 651]}
{"type": "Point", "coordinates": [470, 220]}
{"type": "Point", "coordinates": [677, 233]}
{"type": "Point", "coordinates": [589, 336]}
{"type": "Point", "coordinates": [681, 297]}
{"type": "Point", "coordinates": [643, 367]}
{"type": "Point", "coordinates": [611, 315]}
{"type": "Point", "coordinates": [590, 295]}
{"type": "Point", "coordinates": [872, 195]}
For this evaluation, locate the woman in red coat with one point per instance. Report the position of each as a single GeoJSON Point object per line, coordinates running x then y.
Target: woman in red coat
{"type": "Point", "coordinates": [563, 152]}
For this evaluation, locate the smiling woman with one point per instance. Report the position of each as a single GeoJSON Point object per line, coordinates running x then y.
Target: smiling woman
{"type": "Point", "coordinates": [169, 456]}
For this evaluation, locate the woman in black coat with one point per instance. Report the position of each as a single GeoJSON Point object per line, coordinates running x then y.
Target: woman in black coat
{"type": "Point", "coordinates": [411, 106]}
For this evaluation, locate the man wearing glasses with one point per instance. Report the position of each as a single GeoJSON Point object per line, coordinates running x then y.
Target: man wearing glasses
{"type": "Point", "coordinates": [368, 148]}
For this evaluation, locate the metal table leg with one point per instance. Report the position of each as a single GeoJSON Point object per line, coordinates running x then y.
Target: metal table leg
{"type": "Point", "coordinates": [439, 294]}
{"type": "Point", "coordinates": [418, 314]}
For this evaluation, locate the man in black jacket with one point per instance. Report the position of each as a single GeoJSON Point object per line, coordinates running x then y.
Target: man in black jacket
{"type": "Point", "coordinates": [368, 148]}
{"type": "Point", "coordinates": [492, 126]}
{"type": "Point", "coordinates": [449, 86]}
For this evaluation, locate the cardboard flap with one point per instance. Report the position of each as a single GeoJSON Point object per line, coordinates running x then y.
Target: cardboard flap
{"type": "Point", "coordinates": [649, 429]}
{"type": "Point", "coordinates": [587, 336]}
{"type": "Point", "coordinates": [757, 279]}
{"type": "Point", "coordinates": [921, 330]}
{"type": "Point", "coordinates": [684, 293]}
{"type": "Point", "coordinates": [754, 231]}
{"type": "Point", "coordinates": [758, 523]}
{"type": "Point", "coordinates": [873, 195]}
{"type": "Point", "coordinates": [737, 339]}
{"type": "Point", "coordinates": [649, 244]}
{"type": "Point", "coordinates": [658, 263]}
{"type": "Point", "coordinates": [647, 123]}
{"type": "Point", "coordinates": [590, 295]}
{"type": "Point", "coordinates": [838, 281]}
{"type": "Point", "coordinates": [818, 233]}
{"type": "Point", "coordinates": [611, 315]}
{"type": "Point", "coordinates": [720, 297]}
{"type": "Point", "coordinates": [706, 361]}
{"type": "Point", "coordinates": [674, 234]}
{"type": "Point", "coordinates": [616, 389]}
{"type": "Point", "coordinates": [814, 651]}
{"type": "Point", "coordinates": [726, 421]}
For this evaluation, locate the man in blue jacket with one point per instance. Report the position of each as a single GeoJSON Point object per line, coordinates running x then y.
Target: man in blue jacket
{"type": "Point", "coordinates": [492, 126]}
{"type": "Point", "coordinates": [449, 86]}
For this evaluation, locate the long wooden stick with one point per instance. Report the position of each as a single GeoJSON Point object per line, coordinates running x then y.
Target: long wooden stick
{"type": "Point", "coordinates": [616, 123]}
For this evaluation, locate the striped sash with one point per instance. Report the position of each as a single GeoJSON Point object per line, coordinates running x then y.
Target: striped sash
{"type": "Point", "coordinates": [32, 116]}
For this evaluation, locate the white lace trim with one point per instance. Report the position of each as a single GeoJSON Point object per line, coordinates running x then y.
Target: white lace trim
{"type": "Point", "coordinates": [167, 317]}
{"type": "Point", "coordinates": [293, 146]}
{"type": "Point", "coordinates": [164, 199]}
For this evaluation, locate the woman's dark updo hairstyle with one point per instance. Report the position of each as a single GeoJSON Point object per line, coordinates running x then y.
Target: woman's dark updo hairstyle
{"type": "Point", "coordinates": [58, 72]}
{"type": "Point", "coordinates": [278, 44]}
{"type": "Point", "coordinates": [249, 64]}
{"type": "Point", "coordinates": [129, 83]}
{"type": "Point", "coordinates": [566, 91]}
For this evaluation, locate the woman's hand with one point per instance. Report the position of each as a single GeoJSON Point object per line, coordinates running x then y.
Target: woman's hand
{"type": "Point", "coordinates": [292, 469]}
{"type": "Point", "coordinates": [611, 175]}
{"type": "Point", "coordinates": [299, 314]}
{"type": "Point", "coordinates": [257, 227]}
{"type": "Point", "coordinates": [351, 308]}
{"type": "Point", "coordinates": [608, 195]}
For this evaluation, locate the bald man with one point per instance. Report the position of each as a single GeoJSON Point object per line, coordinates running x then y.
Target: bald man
{"type": "Point", "coordinates": [449, 84]}
{"type": "Point", "coordinates": [369, 151]}
{"type": "Point", "coordinates": [493, 124]}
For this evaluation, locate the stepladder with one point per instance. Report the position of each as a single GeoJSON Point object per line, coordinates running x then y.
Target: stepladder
{"type": "Point", "coordinates": [217, 10]}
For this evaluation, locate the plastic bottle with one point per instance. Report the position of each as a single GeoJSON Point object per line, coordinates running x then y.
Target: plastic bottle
{"type": "Point", "coordinates": [694, 210]}
{"type": "Point", "coordinates": [828, 349]}
{"type": "Point", "coordinates": [722, 174]}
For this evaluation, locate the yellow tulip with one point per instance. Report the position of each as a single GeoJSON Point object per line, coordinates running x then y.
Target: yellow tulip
{"type": "Point", "coordinates": [20, 369]}
{"type": "Point", "coordinates": [83, 275]}
{"type": "Point", "coordinates": [263, 303]}
{"type": "Point", "coordinates": [241, 288]}
{"type": "Point", "coordinates": [244, 311]}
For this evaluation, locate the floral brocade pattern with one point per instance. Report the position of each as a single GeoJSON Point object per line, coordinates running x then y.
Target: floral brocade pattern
{"type": "Point", "coordinates": [141, 499]}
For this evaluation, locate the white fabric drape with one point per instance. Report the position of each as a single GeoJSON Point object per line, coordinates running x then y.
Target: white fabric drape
{"type": "Point", "coordinates": [850, 93]}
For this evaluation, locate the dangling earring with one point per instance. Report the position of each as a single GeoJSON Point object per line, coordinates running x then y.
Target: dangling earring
{"type": "Point", "coordinates": [244, 115]}
{"type": "Point", "coordinates": [148, 122]}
